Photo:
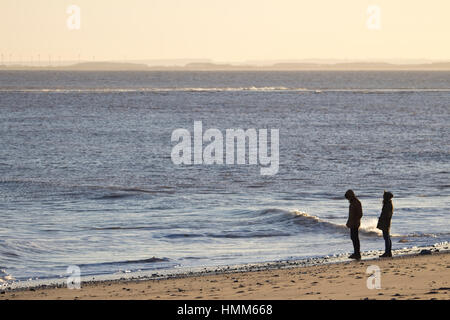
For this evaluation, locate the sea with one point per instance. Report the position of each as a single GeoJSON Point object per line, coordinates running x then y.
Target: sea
{"type": "Point", "coordinates": [87, 178]}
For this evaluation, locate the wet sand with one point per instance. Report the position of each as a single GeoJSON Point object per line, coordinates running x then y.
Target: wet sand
{"type": "Point", "coordinates": [408, 277]}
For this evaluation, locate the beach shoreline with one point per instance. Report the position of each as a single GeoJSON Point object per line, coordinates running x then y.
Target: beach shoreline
{"type": "Point", "coordinates": [423, 275]}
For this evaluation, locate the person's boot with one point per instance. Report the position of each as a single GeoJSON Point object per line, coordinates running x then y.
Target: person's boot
{"type": "Point", "coordinates": [386, 255]}
{"type": "Point", "coordinates": [356, 256]}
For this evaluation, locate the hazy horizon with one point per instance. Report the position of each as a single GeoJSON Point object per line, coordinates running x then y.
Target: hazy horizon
{"type": "Point", "coordinates": [224, 32]}
{"type": "Point", "coordinates": [183, 62]}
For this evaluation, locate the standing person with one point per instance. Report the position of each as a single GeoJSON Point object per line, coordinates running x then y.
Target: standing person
{"type": "Point", "coordinates": [384, 223]}
{"type": "Point", "coordinates": [354, 221]}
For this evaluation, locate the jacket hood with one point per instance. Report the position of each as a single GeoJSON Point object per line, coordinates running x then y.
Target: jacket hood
{"type": "Point", "coordinates": [387, 196]}
{"type": "Point", "coordinates": [350, 194]}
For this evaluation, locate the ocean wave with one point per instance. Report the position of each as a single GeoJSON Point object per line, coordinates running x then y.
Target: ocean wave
{"type": "Point", "coordinates": [148, 260]}
{"type": "Point", "coordinates": [424, 235]}
{"type": "Point", "coordinates": [251, 234]}
{"type": "Point", "coordinates": [114, 196]}
{"type": "Point", "coordinates": [230, 235]}
{"type": "Point", "coordinates": [317, 224]}
{"type": "Point", "coordinates": [222, 89]}
{"type": "Point", "coordinates": [183, 235]}
{"type": "Point", "coordinates": [367, 227]}
{"type": "Point", "coordinates": [121, 228]}
{"type": "Point", "coordinates": [116, 190]}
{"type": "Point", "coordinates": [5, 277]}
{"type": "Point", "coordinates": [15, 249]}
{"type": "Point", "coordinates": [125, 90]}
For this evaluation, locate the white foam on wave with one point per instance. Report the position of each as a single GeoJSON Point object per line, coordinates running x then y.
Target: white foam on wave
{"type": "Point", "coordinates": [178, 89]}
{"type": "Point", "coordinates": [368, 226]}
{"type": "Point", "coordinates": [221, 89]}
{"type": "Point", "coordinates": [5, 278]}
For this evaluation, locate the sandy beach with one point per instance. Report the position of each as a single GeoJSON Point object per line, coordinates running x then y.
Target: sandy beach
{"type": "Point", "coordinates": [403, 278]}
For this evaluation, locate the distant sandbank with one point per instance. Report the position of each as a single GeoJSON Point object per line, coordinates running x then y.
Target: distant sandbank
{"type": "Point", "coordinates": [206, 66]}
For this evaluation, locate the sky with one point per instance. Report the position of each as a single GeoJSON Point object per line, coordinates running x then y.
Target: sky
{"type": "Point", "coordinates": [225, 30]}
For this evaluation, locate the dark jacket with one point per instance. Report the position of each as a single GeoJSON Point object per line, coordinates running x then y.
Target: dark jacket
{"type": "Point", "coordinates": [384, 222]}
{"type": "Point", "coordinates": [354, 213]}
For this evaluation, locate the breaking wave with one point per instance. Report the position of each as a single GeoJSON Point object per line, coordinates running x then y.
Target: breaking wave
{"type": "Point", "coordinates": [316, 224]}
{"type": "Point", "coordinates": [368, 227]}
{"type": "Point", "coordinates": [220, 89]}
{"type": "Point", "coordinates": [149, 260]}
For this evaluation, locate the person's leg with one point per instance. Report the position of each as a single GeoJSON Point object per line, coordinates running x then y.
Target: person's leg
{"type": "Point", "coordinates": [355, 239]}
{"type": "Point", "coordinates": [357, 249]}
{"type": "Point", "coordinates": [387, 244]}
{"type": "Point", "coordinates": [352, 236]}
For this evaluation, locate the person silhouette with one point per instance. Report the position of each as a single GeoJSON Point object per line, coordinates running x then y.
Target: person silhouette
{"type": "Point", "coordinates": [384, 223]}
{"type": "Point", "coordinates": [354, 221]}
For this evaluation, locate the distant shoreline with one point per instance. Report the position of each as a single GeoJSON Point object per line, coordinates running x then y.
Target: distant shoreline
{"type": "Point", "coordinates": [116, 66]}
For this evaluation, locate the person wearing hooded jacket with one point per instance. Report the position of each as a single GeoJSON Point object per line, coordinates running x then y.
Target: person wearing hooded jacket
{"type": "Point", "coordinates": [354, 221]}
{"type": "Point", "coordinates": [384, 223]}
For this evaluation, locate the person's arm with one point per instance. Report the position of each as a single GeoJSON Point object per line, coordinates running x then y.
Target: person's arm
{"type": "Point", "coordinates": [348, 224]}
{"type": "Point", "coordinates": [389, 209]}
{"type": "Point", "coordinates": [386, 211]}
{"type": "Point", "coordinates": [359, 212]}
